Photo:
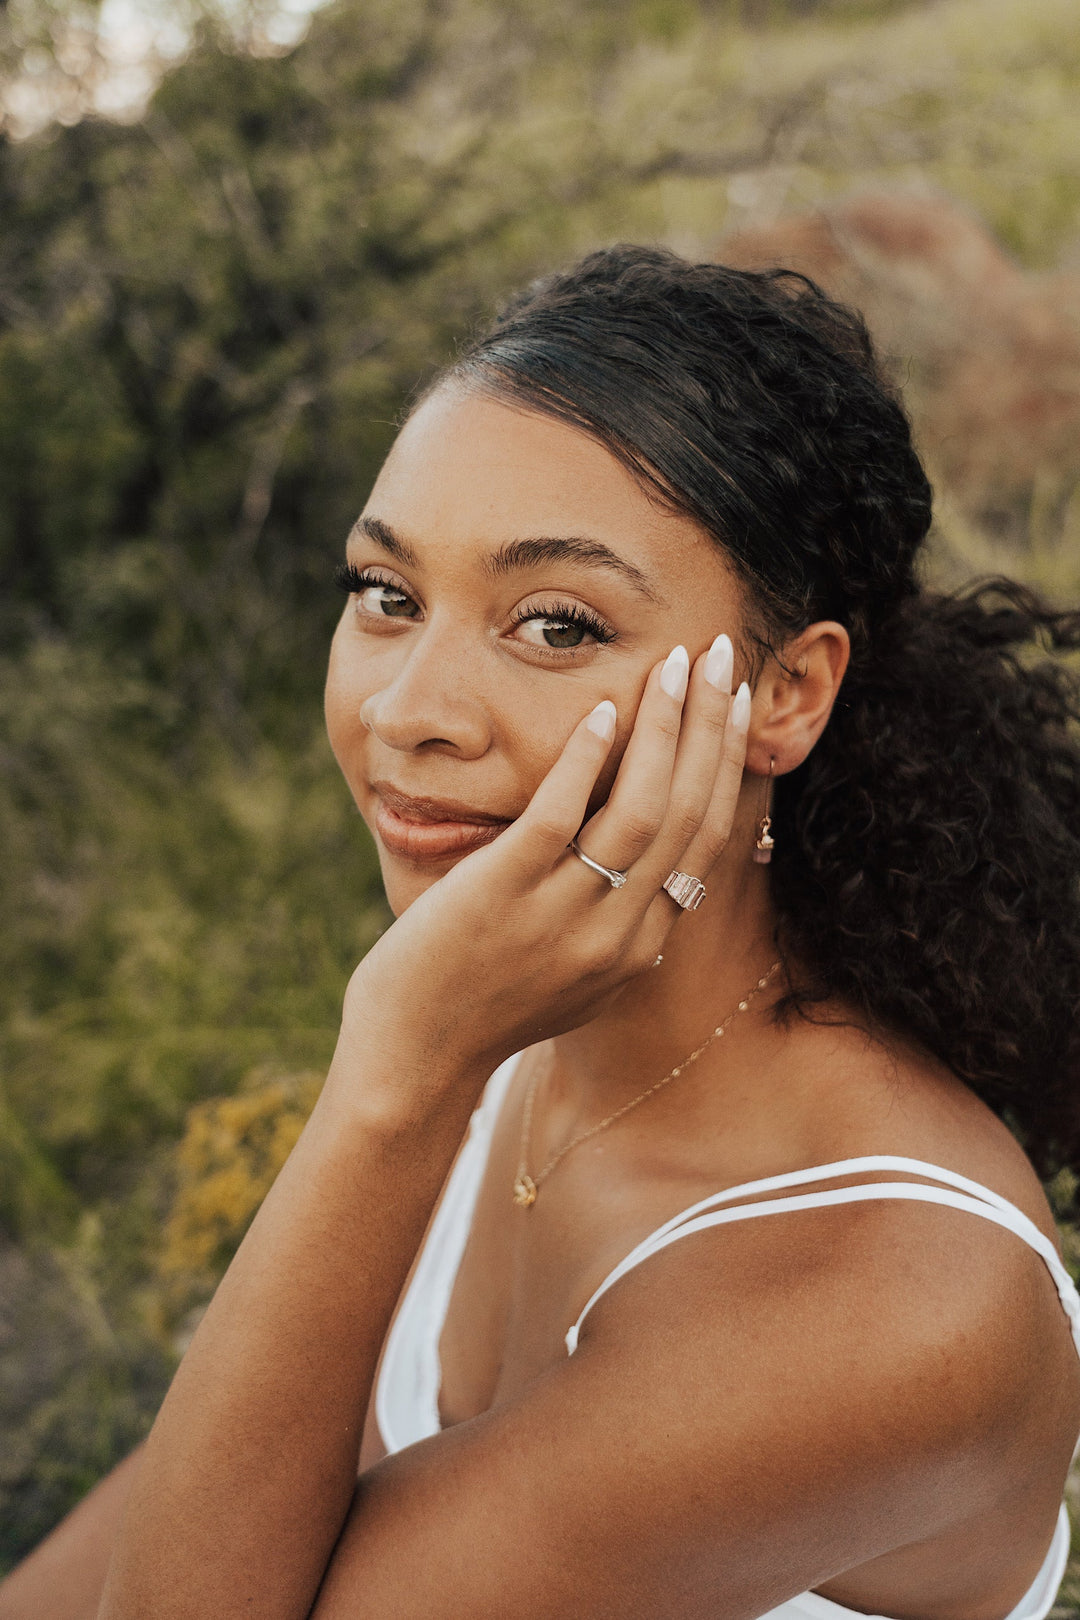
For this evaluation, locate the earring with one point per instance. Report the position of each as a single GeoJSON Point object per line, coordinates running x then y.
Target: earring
{"type": "Point", "coordinates": [763, 844]}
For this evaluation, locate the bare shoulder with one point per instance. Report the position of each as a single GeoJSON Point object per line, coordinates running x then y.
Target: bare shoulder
{"type": "Point", "coordinates": [877, 1283]}
{"type": "Point", "coordinates": [916, 1320]}
{"type": "Point", "coordinates": [884, 1094]}
{"type": "Point", "coordinates": [903, 1344]}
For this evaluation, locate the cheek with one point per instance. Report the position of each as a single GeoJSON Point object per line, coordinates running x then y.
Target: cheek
{"type": "Point", "coordinates": [537, 720]}
{"type": "Point", "coordinates": [536, 730]}
{"type": "Point", "coordinates": [626, 696]}
{"type": "Point", "coordinates": [342, 697]}
{"type": "Point", "coordinates": [533, 736]}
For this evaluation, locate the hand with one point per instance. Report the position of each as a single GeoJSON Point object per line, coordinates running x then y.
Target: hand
{"type": "Point", "coordinates": [521, 940]}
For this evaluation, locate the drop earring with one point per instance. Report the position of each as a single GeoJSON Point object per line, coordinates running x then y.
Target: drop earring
{"type": "Point", "coordinates": [763, 844]}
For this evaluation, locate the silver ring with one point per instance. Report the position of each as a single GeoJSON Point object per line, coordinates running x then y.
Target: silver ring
{"type": "Point", "coordinates": [686, 891]}
{"type": "Point", "coordinates": [616, 879]}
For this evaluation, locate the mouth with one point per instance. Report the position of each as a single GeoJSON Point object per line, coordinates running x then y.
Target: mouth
{"type": "Point", "coordinates": [431, 830]}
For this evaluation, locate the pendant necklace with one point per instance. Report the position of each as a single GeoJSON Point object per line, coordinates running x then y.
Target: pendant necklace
{"type": "Point", "coordinates": [526, 1187]}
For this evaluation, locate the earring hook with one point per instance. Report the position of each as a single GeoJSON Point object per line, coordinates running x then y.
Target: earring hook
{"type": "Point", "coordinates": [765, 843]}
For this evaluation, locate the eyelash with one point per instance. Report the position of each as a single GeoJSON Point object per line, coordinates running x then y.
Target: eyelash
{"type": "Point", "coordinates": [349, 579]}
{"type": "Point", "coordinates": [571, 613]}
{"type": "Point", "coordinates": [352, 580]}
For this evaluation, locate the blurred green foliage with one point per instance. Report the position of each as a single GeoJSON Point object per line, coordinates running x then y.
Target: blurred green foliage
{"type": "Point", "coordinates": [210, 320]}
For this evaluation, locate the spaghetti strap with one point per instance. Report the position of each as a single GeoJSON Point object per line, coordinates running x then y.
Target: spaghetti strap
{"type": "Point", "coordinates": [959, 1192]}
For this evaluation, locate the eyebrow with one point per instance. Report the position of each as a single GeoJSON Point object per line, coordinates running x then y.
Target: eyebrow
{"type": "Point", "coordinates": [384, 536]}
{"type": "Point", "coordinates": [517, 555]}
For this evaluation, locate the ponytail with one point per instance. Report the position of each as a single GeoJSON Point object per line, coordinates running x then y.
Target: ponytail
{"type": "Point", "coordinates": [927, 862]}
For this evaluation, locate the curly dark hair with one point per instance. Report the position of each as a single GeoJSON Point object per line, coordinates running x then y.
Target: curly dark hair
{"type": "Point", "coordinates": [927, 865]}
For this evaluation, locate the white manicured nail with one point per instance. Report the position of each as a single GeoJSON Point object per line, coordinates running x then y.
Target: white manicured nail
{"type": "Point", "coordinates": [676, 673]}
{"type": "Point", "coordinates": [740, 708]}
{"type": "Point", "coordinates": [719, 661]}
{"type": "Point", "coordinates": [602, 720]}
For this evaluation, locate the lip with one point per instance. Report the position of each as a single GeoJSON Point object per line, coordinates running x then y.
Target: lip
{"type": "Point", "coordinates": [423, 829]}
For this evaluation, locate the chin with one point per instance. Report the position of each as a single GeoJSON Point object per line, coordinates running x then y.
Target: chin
{"type": "Point", "coordinates": [406, 881]}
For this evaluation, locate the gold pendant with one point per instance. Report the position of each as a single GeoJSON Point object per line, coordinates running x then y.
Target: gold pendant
{"type": "Point", "coordinates": [524, 1190]}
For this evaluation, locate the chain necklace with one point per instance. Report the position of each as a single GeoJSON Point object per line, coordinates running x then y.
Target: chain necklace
{"type": "Point", "coordinates": [526, 1187]}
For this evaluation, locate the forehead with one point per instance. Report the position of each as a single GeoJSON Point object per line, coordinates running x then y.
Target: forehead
{"type": "Point", "coordinates": [469, 472]}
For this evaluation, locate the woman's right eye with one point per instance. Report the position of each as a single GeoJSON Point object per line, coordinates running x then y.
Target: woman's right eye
{"type": "Point", "coordinates": [389, 600]}
{"type": "Point", "coordinates": [375, 597]}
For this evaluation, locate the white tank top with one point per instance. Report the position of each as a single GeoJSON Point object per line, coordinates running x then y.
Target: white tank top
{"type": "Point", "coordinates": [407, 1393]}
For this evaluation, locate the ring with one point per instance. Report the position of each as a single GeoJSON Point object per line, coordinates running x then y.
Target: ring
{"type": "Point", "coordinates": [686, 891]}
{"type": "Point", "coordinates": [616, 879]}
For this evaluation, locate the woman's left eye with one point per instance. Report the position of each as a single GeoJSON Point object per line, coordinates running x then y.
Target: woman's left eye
{"type": "Point", "coordinates": [562, 629]}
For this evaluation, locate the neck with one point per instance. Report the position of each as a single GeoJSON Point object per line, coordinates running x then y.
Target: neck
{"type": "Point", "coordinates": [712, 958]}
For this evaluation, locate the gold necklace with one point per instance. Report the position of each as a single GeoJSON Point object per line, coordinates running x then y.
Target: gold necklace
{"type": "Point", "coordinates": [526, 1187]}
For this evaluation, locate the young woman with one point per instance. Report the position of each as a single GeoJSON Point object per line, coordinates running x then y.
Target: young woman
{"type": "Point", "coordinates": [748, 872]}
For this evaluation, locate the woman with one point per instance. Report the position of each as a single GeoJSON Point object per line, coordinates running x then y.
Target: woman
{"type": "Point", "coordinates": [742, 1297]}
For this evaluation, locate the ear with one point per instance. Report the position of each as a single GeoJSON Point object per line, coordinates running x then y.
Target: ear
{"type": "Point", "coordinates": [793, 698]}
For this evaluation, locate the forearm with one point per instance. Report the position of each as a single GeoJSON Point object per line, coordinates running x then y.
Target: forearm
{"type": "Point", "coordinates": [250, 1468]}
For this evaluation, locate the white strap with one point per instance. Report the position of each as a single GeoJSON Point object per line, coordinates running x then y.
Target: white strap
{"type": "Point", "coordinates": [974, 1199]}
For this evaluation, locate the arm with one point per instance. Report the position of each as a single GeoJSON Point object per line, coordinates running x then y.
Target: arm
{"type": "Point", "coordinates": [705, 1453]}
{"type": "Point", "coordinates": [215, 1522]}
{"type": "Point", "coordinates": [251, 1466]}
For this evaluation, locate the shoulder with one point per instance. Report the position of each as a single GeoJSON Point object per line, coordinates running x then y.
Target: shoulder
{"type": "Point", "coordinates": [933, 1315]}
{"type": "Point", "coordinates": [882, 1093]}
{"type": "Point", "coordinates": [886, 1333]}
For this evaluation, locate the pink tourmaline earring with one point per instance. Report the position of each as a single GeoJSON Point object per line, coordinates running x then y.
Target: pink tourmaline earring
{"type": "Point", "coordinates": [763, 844]}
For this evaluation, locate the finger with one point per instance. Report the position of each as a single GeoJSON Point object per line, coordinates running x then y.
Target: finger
{"type": "Point", "coordinates": [627, 824]}
{"type": "Point", "coordinates": [539, 836]}
{"type": "Point", "coordinates": [707, 845]}
{"type": "Point", "coordinates": [699, 759]}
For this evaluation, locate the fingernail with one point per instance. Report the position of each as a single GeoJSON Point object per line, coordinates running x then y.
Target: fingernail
{"type": "Point", "coordinates": [676, 673]}
{"type": "Point", "coordinates": [719, 661]}
{"type": "Point", "coordinates": [602, 720]}
{"type": "Point", "coordinates": [740, 708]}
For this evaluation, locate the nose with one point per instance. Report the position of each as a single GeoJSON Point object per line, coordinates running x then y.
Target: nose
{"type": "Point", "coordinates": [434, 700]}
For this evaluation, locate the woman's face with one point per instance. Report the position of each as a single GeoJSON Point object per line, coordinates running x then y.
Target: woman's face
{"type": "Point", "coordinates": [508, 573]}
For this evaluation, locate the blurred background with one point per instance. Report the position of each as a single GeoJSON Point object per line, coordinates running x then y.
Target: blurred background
{"type": "Point", "coordinates": [234, 236]}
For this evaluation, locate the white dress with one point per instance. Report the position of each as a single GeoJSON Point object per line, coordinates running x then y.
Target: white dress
{"type": "Point", "coordinates": [407, 1394]}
